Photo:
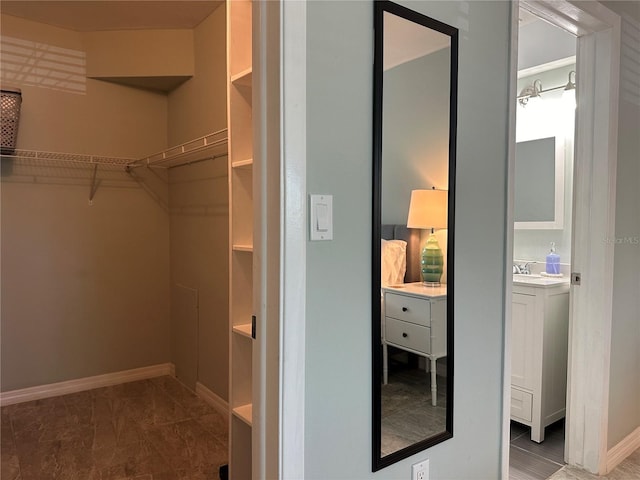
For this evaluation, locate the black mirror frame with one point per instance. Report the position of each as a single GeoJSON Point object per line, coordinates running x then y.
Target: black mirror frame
{"type": "Point", "coordinates": [381, 6]}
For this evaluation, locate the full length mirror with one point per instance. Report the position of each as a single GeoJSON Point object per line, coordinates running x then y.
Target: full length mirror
{"type": "Point", "coordinates": [415, 84]}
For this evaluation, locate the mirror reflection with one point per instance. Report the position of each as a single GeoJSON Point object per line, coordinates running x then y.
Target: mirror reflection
{"type": "Point", "coordinates": [413, 179]}
{"type": "Point", "coordinates": [539, 183]}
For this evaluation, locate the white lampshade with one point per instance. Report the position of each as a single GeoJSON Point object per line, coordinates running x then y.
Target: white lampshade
{"type": "Point", "coordinates": [428, 209]}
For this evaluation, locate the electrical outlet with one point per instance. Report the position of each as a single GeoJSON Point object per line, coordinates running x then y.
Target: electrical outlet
{"type": "Point", "coordinates": [420, 470]}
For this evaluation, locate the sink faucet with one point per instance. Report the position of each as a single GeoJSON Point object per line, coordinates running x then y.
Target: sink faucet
{"type": "Point", "coordinates": [522, 269]}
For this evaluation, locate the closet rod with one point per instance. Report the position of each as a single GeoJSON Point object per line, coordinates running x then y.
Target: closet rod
{"type": "Point", "coordinates": [207, 147]}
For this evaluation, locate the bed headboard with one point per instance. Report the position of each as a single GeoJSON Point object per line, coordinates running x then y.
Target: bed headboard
{"type": "Point", "coordinates": [412, 237]}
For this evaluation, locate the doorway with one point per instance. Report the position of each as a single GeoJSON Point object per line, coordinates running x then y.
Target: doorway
{"type": "Point", "coordinates": [597, 31]}
{"type": "Point", "coordinates": [544, 157]}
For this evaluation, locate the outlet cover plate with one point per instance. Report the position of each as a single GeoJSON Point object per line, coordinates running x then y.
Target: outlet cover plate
{"type": "Point", "coordinates": [420, 470]}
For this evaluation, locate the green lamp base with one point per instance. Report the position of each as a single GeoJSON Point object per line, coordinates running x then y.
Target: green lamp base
{"type": "Point", "coordinates": [431, 264]}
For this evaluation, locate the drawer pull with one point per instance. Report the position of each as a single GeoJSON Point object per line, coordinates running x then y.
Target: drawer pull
{"type": "Point", "coordinates": [404, 335]}
{"type": "Point", "coordinates": [405, 309]}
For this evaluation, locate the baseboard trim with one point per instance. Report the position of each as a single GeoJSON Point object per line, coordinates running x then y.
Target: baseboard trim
{"type": "Point", "coordinates": [212, 399]}
{"type": "Point", "coordinates": [622, 450]}
{"type": "Point", "coordinates": [87, 383]}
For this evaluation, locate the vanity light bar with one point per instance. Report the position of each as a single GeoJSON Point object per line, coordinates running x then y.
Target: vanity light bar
{"type": "Point", "coordinates": [534, 90]}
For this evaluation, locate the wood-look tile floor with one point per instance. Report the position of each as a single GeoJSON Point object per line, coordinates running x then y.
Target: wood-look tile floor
{"type": "Point", "coordinates": [628, 469]}
{"type": "Point", "coordinates": [146, 430]}
{"type": "Point", "coordinates": [529, 460]}
{"type": "Point", "coordinates": [407, 415]}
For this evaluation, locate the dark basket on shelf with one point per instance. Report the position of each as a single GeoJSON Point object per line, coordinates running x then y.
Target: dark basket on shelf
{"type": "Point", "coordinates": [10, 116]}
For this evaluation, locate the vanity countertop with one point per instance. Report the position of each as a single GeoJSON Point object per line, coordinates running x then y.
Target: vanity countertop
{"type": "Point", "coordinates": [539, 281]}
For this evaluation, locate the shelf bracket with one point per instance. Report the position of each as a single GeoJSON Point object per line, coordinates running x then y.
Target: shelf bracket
{"type": "Point", "coordinates": [94, 185]}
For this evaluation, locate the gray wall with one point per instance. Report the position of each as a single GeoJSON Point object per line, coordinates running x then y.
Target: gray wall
{"type": "Point", "coordinates": [338, 313]}
{"type": "Point", "coordinates": [624, 389]}
{"type": "Point", "coordinates": [415, 143]}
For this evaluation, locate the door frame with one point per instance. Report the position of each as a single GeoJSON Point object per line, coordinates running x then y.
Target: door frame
{"type": "Point", "coordinates": [594, 192]}
{"type": "Point", "coordinates": [279, 105]}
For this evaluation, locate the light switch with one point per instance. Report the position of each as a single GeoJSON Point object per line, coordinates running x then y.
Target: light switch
{"type": "Point", "coordinates": [321, 218]}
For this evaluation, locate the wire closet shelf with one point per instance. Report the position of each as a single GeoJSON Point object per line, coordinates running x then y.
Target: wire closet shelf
{"type": "Point", "coordinates": [69, 158]}
{"type": "Point", "coordinates": [208, 147]}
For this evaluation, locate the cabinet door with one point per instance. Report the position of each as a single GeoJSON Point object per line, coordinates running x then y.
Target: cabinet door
{"type": "Point", "coordinates": [523, 328]}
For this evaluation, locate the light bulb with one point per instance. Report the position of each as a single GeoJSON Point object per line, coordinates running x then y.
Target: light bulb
{"type": "Point", "coordinates": [569, 98]}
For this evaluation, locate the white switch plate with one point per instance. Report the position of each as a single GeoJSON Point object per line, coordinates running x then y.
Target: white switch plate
{"type": "Point", "coordinates": [420, 470]}
{"type": "Point", "coordinates": [321, 217]}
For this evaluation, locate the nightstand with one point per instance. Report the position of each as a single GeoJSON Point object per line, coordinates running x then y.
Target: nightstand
{"type": "Point", "coordinates": [415, 320]}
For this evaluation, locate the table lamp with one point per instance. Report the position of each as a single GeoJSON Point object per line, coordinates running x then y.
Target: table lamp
{"type": "Point", "coordinates": [428, 209]}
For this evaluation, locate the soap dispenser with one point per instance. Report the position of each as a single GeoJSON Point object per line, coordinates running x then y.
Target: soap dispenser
{"type": "Point", "coordinates": [553, 261]}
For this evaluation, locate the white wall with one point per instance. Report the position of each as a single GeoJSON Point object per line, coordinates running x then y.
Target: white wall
{"type": "Point", "coordinates": [338, 314]}
{"type": "Point", "coordinates": [550, 118]}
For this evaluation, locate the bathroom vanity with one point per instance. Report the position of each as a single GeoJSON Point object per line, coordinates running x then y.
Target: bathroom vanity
{"type": "Point", "coordinates": [539, 344]}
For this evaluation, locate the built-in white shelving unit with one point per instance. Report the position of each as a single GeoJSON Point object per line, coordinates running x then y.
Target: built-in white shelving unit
{"type": "Point", "coordinates": [241, 220]}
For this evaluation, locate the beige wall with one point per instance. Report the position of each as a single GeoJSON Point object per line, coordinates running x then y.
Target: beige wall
{"type": "Point", "coordinates": [84, 288]}
{"type": "Point", "coordinates": [199, 261]}
{"type": "Point", "coordinates": [107, 119]}
{"type": "Point", "coordinates": [199, 215]}
{"type": "Point", "coordinates": [199, 106]}
{"type": "Point", "coordinates": [96, 296]}
{"type": "Point", "coordinates": [139, 53]}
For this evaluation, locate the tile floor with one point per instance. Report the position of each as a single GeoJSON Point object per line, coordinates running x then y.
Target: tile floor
{"type": "Point", "coordinates": [545, 461]}
{"type": "Point", "coordinates": [146, 430]}
{"type": "Point", "coordinates": [628, 469]}
{"type": "Point", "coordinates": [529, 460]}
{"type": "Point", "coordinates": [158, 430]}
{"type": "Point", "coordinates": [407, 414]}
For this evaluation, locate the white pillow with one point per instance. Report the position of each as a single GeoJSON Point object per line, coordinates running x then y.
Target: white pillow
{"type": "Point", "coordinates": [393, 261]}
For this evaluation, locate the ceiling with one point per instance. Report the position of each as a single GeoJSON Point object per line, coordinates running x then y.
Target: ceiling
{"type": "Point", "coordinates": [406, 40]}
{"type": "Point", "coordinates": [541, 43]}
{"type": "Point", "coordinates": [91, 15]}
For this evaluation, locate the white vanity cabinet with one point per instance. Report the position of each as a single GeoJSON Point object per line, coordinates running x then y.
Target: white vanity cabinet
{"type": "Point", "coordinates": [415, 320]}
{"type": "Point", "coordinates": [539, 343]}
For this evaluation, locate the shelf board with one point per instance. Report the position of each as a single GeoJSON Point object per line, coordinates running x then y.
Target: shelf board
{"type": "Point", "coordinates": [244, 329]}
{"type": "Point", "coordinates": [242, 163]}
{"type": "Point", "coordinates": [242, 248]}
{"type": "Point", "coordinates": [244, 413]}
{"type": "Point", "coordinates": [242, 79]}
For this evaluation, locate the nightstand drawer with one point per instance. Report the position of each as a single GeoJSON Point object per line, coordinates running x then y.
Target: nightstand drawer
{"type": "Point", "coordinates": [409, 309]}
{"type": "Point", "coordinates": [408, 335]}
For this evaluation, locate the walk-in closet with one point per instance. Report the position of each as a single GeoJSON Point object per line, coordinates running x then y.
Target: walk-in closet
{"type": "Point", "coordinates": [126, 201]}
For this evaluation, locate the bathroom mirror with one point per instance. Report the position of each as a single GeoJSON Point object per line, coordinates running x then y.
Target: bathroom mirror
{"type": "Point", "coordinates": [414, 147]}
{"type": "Point", "coordinates": [539, 183]}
